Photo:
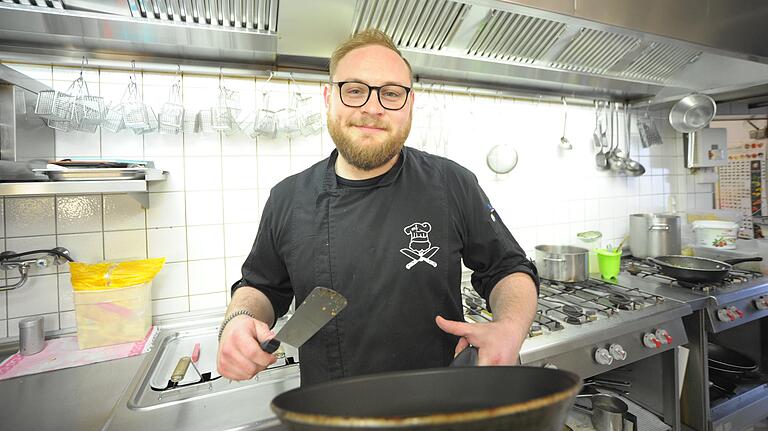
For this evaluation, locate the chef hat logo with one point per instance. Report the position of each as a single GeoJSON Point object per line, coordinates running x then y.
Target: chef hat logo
{"type": "Point", "coordinates": [420, 249]}
{"type": "Point", "coordinates": [418, 230]}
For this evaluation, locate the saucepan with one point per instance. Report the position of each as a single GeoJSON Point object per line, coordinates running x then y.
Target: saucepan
{"type": "Point", "coordinates": [562, 262]}
{"type": "Point", "coordinates": [465, 398]}
{"type": "Point", "coordinates": [697, 269]}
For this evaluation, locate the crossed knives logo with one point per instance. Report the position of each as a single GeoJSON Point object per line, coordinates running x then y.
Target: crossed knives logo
{"type": "Point", "coordinates": [419, 248]}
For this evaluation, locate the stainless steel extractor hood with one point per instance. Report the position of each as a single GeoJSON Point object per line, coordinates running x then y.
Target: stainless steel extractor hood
{"type": "Point", "coordinates": [621, 49]}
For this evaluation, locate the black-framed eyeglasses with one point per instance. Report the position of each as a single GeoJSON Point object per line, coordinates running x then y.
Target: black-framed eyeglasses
{"type": "Point", "coordinates": [356, 94]}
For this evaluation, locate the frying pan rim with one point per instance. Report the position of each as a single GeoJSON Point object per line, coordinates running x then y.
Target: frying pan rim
{"type": "Point", "coordinates": [726, 367]}
{"type": "Point", "coordinates": [434, 419]}
{"type": "Point", "coordinates": [656, 260]}
{"type": "Point", "coordinates": [721, 364]}
{"type": "Point", "coordinates": [717, 368]}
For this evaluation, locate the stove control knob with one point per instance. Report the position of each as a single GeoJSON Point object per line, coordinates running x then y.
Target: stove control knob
{"type": "Point", "coordinates": [723, 315]}
{"type": "Point", "coordinates": [617, 352]}
{"type": "Point", "coordinates": [603, 357]}
{"type": "Point", "coordinates": [738, 314]}
{"type": "Point", "coordinates": [663, 336]}
{"type": "Point", "coordinates": [761, 303]}
{"type": "Point", "coordinates": [650, 341]}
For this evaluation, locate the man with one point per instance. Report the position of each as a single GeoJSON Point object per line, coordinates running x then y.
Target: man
{"type": "Point", "coordinates": [387, 227]}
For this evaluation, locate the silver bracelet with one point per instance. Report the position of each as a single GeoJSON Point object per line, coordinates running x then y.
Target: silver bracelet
{"type": "Point", "coordinates": [232, 316]}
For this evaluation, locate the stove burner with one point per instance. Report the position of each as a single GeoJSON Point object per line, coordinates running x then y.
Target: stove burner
{"type": "Point", "coordinates": [572, 311]}
{"type": "Point", "coordinates": [551, 324]}
{"type": "Point", "coordinates": [621, 301]}
{"type": "Point", "coordinates": [576, 303]}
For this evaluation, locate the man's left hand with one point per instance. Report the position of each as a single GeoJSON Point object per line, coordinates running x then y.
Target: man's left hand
{"type": "Point", "coordinates": [498, 343]}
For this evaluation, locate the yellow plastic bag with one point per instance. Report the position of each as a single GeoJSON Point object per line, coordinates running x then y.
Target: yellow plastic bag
{"type": "Point", "coordinates": [113, 275]}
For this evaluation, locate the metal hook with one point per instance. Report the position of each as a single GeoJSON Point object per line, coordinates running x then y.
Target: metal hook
{"type": "Point", "coordinates": [132, 77]}
{"type": "Point", "coordinates": [264, 86]}
{"type": "Point", "coordinates": [82, 65]}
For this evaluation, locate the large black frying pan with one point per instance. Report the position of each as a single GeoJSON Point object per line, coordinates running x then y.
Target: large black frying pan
{"type": "Point", "coordinates": [725, 360]}
{"type": "Point", "coordinates": [697, 269]}
{"type": "Point", "coordinates": [454, 398]}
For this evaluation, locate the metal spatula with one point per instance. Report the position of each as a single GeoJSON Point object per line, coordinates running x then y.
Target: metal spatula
{"type": "Point", "coordinates": [318, 308]}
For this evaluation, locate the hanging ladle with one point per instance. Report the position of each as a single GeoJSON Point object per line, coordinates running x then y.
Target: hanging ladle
{"type": "Point", "coordinates": [631, 167]}
{"type": "Point", "coordinates": [596, 142]}
{"type": "Point", "coordinates": [564, 143]}
{"type": "Point", "coordinates": [601, 158]}
{"type": "Point", "coordinates": [616, 160]}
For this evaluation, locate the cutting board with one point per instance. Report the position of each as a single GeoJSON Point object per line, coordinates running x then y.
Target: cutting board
{"type": "Point", "coordinates": [60, 353]}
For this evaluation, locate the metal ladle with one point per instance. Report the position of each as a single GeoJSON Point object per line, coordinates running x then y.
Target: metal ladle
{"type": "Point", "coordinates": [601, 159]}
{"type": "Point", "coordinates": [631, 167]}
{"type": "Point", "coordinates": [564, 143]}
{"type": "Point", "coordinates": [615, 156]}
{"type": "Point", "coordinates": [596, 143]}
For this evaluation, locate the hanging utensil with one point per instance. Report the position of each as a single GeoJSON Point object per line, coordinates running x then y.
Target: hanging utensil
{"type": "Point", "coordinates": [601, 158]}
{"type": "Point", "coordinates": [564, 143]}
{"type": "Point", "coordinates": [692, 113]}
{"type": "Point", "coordinates": [502, 158]}
{"type": "Point", "coordinates": [615, 156]}
{"type": "Point", "coordinates": [649, 133]}
{"type": "Point", "coordinates": [631, 167]}
{"type": "Point", "coordinates": [596, 142]}
{"type": "Point", "coordinates": [171, 117]}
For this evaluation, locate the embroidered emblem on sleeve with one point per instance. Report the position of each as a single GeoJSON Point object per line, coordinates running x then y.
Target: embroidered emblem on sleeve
{"type": "Point", "coordinates": [420, 249]}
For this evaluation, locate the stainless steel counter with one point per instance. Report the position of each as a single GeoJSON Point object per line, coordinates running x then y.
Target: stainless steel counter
{"type": "Point", "coordinates": [87, 398]}
{"type": "Point", "coordinates": [79, 398]}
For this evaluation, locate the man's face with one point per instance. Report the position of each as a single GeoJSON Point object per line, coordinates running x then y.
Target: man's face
{"type": "Point", "coordinates": [369, 136]}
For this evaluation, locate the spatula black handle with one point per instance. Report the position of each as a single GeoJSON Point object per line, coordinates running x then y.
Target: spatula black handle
{"type": "Point", "coordinates": [270, 346]}
{"type": "Point", "coordinates": [466, 358]}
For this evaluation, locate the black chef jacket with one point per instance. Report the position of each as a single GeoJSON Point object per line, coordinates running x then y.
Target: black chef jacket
{"type": "Point", "coordinates": [392, 248]}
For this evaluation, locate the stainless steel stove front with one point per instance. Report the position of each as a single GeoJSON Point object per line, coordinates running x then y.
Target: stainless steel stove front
{"type": "Point", "coordinates": [731, 313]}
{"type": "Point", "coordinates": [596, 327]}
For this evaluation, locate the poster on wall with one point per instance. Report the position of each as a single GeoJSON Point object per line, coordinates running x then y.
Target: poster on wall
{"type": "Point", "coordinates": [741, 183]}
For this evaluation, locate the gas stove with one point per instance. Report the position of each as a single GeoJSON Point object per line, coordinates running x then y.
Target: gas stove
{"type": "Point", "coordinates": [740, 298]}
{"type": "Point", "coordinates": [593, 326]}
{"type": "Point", "coordinates": [729, 313]}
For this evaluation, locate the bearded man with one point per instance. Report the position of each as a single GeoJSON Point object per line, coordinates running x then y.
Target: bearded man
{"type": "Point", "coordinates": [387, 226]}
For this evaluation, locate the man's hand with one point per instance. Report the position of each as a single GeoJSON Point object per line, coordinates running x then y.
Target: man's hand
{"type": "Point", "coordinates": [498, 343]}
{"type": "Point", "coordinates": [240, 356]}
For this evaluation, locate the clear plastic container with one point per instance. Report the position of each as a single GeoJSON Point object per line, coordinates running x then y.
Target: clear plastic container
{"type": "Point", "coordinates": [591, 240]}
{"type": "Point", "coordinates": [113, 316]}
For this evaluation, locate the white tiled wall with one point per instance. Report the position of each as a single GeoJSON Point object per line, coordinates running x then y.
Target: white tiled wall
{"type": "Point", "coordinates": [204, 217]}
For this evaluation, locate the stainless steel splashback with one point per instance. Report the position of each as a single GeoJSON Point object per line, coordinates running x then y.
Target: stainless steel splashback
{"type": "Point", "coordinates": [622, 49]}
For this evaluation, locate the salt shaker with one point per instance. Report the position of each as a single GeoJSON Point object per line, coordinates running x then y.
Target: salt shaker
{"type": "Point", "coordinates": [31, 335]}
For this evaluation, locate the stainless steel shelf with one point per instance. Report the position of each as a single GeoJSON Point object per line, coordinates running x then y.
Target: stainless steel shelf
{"type": "Point", "coordinates": [137, 189]}
{"type": "Point", "coordinates": [749, 406]}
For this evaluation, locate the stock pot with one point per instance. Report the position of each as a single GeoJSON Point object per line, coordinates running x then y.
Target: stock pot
{"type": "Point", "coordinates": [652, 235]}
{"type": "Point", "coordinates": [564, 263]}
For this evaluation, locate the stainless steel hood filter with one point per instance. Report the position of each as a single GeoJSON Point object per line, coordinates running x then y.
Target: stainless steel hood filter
{"type": "Point", "coordinates": [620, 50]}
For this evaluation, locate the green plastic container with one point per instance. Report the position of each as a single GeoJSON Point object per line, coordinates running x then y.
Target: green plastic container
{"type": "Point", "coordinates": [609, 263]}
